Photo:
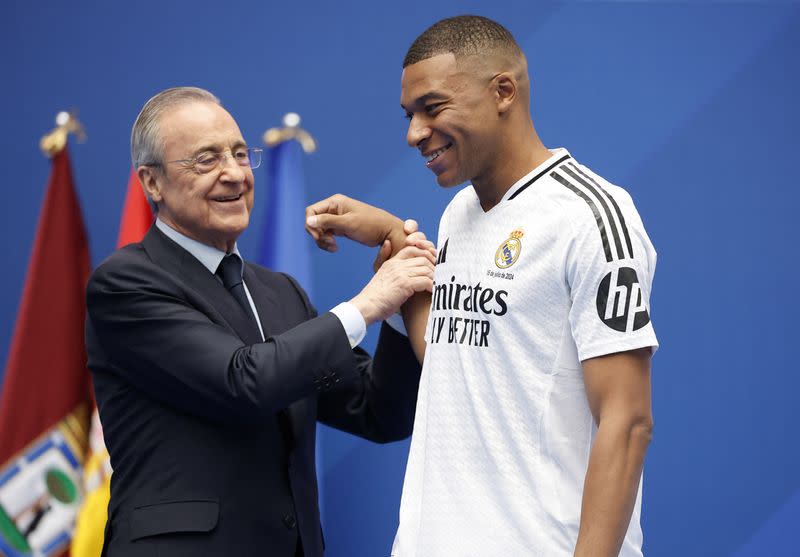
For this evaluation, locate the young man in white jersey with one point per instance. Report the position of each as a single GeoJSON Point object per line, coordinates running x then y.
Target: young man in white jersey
{"type": "Point", "coordinates": [534, 413]}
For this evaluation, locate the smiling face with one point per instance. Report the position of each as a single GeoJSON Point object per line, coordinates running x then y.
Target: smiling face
{"type": "Point", "coordinates": [212, 208]}
{"type": "Point", "coordinates": [454, 119]}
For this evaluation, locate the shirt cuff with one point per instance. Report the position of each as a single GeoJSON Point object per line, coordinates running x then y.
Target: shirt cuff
{"type": "Point", "coordinates": [352, 321]}
{"type": "Point", "coordinates": [395, 321]}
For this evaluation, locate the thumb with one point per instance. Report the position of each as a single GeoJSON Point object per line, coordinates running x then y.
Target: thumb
{"type": "Point", "coordinates": [410, 226]}
{"type": "Point", "coordinates": [383, 254]}
{"type": "Point", "coordinates": [328, 222]}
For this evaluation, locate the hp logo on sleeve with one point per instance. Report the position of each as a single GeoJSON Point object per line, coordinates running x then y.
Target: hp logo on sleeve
{"type": "Point", "coordinates": [620, 303]}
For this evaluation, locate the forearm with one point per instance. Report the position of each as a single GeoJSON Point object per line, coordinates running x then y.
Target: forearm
{"type": "Point", "coordinates": [612, 481]}
{"type": "Point", "coordinates": [380, 407]}
{"type": "Point", "coordinates": [393, 231]}
{"type": "Point", "coordinates": [174, 354]}
{"type": "Point", "coordinates": [415, 309]}
{"type": "Point", "coordinates": [415, 317]}
{"type": "Point", "coordinates": [371, 226]}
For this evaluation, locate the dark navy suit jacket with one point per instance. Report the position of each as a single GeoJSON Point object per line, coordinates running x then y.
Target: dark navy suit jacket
{"type": "Point", "coordinates": [212, 431]}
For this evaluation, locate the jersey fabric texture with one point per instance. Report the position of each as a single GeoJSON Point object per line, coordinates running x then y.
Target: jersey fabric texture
{"type": "Point", "coordinates": [557, 272]}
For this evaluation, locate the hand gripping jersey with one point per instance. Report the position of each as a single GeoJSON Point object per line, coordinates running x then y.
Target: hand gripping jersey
{"type": "Point", "coordinates": [559, 271]}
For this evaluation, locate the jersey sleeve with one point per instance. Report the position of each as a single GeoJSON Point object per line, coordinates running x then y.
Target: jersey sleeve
{"type": "Point", "coordinates": [609, 268]}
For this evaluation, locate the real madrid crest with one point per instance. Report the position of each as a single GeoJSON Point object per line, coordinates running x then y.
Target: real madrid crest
{"type": "Point", "coordinates": [508, 252]}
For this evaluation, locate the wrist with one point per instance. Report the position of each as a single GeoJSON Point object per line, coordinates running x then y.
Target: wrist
{"type": "Point", "coordinates": [352, 321]}
{"type": "Point", "coordinates": [395, 234]}
{"type": "Point", "coordinates": [365, 307]}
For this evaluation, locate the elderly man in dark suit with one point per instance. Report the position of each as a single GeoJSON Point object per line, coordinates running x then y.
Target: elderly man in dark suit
{"type": "Point", "coordinates": [210, 373]}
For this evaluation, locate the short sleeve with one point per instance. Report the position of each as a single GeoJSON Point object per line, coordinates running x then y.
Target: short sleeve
{"type": "Point", "coordinates": [609, 268]}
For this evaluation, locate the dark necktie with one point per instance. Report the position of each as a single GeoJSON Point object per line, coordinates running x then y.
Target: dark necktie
{"type": "Point", "coordinates": [230, 271]}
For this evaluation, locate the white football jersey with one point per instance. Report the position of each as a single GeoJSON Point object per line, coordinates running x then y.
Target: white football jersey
{"type": "Point", "coordinates": [557, 272]}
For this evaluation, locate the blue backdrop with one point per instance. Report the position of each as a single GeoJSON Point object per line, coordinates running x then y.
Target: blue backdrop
{"type": "Point", "coordinates": [692, 106]}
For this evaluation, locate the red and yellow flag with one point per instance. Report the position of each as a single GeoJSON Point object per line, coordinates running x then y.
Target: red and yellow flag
{"type": "Point", "coordinates": [46, 390]}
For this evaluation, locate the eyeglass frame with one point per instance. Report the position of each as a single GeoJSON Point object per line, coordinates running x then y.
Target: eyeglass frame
{"type": "Point", "coordinates": [223, 155]}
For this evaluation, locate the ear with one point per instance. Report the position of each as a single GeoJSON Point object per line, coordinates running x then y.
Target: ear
{"type": "Point", "coordinates": [505, 91]}
{"type": "Point", "coordinates": [149, 178]}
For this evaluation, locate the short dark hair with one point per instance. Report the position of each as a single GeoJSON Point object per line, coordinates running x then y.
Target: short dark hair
{"type": "Point", "coordinates": [463, 35]}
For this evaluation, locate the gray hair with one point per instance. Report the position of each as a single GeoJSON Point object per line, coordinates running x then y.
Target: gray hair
{"type": "Point", "coordinates": [146, 144]}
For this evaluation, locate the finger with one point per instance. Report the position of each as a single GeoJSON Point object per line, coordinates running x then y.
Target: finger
{"type": "Point", "coordinates": [430, 249]}
{"type": "Point", "coordinates": [316, 233]}
{"type": "Point", "coordinates": [414, 267]}
{"type": "Point", "coordinates": [326, 236]}
{"type": "Point", "coordinates": [384, 253]}
{"type": "Point", "coordinates": [414, 252]}
{"type": "Point", "coordinates": [409, 265]}
{"type": "Point", "coordinates": [410, 226]}
{"type": "Point", "coordinates": [321, 237]}
{"type": "Point", "coordinates": [328, 243]}
{"type": "Point", "coordinates": [420, 271]}
{"type": "Point", "coordinates": [311, 212]}
{"type": "Point", "coordinates": [421, 284]}
{"type": "Point", "coordinates": [416, 238]}
{"type": "Point", "coordinates": [409, 252]}
{"type": "Point", "coordinates": [421, 258]}
{"type": "Point", "coordinates": [423, 263]}
{"type": "Point", "coordinates": [328, 205]}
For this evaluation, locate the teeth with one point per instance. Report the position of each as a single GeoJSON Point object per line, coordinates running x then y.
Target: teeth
{"type": "Point", "coordinates": [433, 156]}
{"type": "Point", "coordinates": [229, 198]}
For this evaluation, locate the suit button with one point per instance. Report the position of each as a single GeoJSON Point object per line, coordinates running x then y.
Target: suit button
{"type": "Point", "coordinates": [289, 521]}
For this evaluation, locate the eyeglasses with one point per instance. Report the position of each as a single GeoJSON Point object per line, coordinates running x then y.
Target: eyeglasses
{"type": "Point", "coordinates": [210, 160]}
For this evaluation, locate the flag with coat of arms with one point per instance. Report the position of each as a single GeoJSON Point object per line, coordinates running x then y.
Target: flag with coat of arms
{"type": "Point", "coordinates": [46, 396]}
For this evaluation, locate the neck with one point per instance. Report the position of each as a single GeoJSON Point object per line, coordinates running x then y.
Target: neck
{"type": "Point", "coordinates": [221, 243]}
{"type": "Point", "coordinates": [518, 155]}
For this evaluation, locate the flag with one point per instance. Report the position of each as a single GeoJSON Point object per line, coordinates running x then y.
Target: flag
{"type": "Point", "coordinates": [90, 525]}
{"type": "Point", "coordinates": [136, 214]}
{"type": "Point", "coordinates": [284, 245]}
{"type": "Point", "coordinates": [46, 391]}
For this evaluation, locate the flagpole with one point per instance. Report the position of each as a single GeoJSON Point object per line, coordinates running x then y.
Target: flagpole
{"type": "Point", "coordinates": [291, 130]}
{"type": "Point", "coordinates": [67, 123]}
{"type": "Point", "coordinates": [283, 226]}
{"type": "Point", "coordinates": [46, 387]}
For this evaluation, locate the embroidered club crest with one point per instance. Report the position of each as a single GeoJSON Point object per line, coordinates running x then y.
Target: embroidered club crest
{"type": "Point", "coordinates": [508, 252]}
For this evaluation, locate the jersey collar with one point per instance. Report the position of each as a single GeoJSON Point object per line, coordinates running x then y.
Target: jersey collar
{"type": "Point", "coordinates": [557, 157]}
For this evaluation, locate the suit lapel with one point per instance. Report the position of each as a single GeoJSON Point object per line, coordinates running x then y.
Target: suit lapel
{"type": "Point", "coordinates": [269, 310]}
{"type": "Point", "coordinates": [173, 257]}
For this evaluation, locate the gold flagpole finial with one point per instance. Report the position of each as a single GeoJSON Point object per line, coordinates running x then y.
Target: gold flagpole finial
{"type": "Point", "coordinates": [66, 123]}
{"type": "Point", "coordinates": [291, 130]}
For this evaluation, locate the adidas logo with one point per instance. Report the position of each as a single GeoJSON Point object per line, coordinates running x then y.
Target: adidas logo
{"type": "Point", "coordinates": [442, 257]}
